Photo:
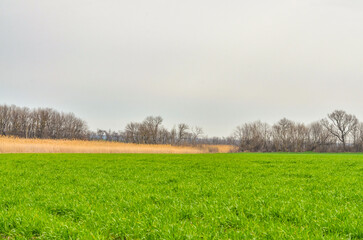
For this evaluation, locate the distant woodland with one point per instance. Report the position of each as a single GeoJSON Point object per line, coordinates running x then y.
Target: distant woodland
{"type": "Point", "coordinates": [338, 132]}
{"type": "Point", "coordinates": [47, 123]}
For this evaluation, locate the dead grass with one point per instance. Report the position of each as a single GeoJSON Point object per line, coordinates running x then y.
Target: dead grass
{"type": "Point", "coordinates": [20, 145]}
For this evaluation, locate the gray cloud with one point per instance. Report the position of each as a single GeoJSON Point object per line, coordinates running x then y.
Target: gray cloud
{"type": "Point", "coordinates": [210, 63]}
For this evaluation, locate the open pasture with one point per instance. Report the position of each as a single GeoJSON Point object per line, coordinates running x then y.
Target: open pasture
{"type": "Point", "coordinates": [160, 196]}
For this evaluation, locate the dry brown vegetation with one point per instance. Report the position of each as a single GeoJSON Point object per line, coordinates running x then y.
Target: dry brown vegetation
{"type": "Point", "coordinates": [21, 145]}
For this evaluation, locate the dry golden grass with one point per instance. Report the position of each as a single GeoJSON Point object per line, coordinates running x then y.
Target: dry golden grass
{"type": "Point", "coordinates": [20, 145]}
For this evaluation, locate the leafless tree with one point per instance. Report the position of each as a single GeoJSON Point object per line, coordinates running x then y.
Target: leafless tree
{"type": "Point", "coordinates": [132, 132]}
{"type": "Point", "coordinates": [163, 136]}
{"type": "Point", "coordinates": [339, 131]}
{"type": "Point", "coordinates": [357, 135]}
{"type": "Point", "coordinates": [253, 136]}
{"type": "Point", "coordinates": [4, 119]}
{"type": "Point", "coordinates": [182, 132]}
{"type": "Point", "coordinates": [196, 133]}
{"type": "Point", "coordinates": [173, 136]}
{"type": "Point", "coordinates": [282, 135]}
{"type": "Point", "coordinates": [40, 123]}
{"type": "Point", "coordinates": [150, 128]}
{"type": "Point", "coordinates": [320, 138]}
{"type": "Point", "coordinates": [340, 125]}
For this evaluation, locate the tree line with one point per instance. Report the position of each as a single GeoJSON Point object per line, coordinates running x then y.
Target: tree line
{"type": "Point", "coordinates": [338, 132]}
{"type": "Point", "coordinates": [47, 123]}
{"type": "Point", "coordinates": [40, 123]}
{"type": "Point", "coordinates": [151, 131]}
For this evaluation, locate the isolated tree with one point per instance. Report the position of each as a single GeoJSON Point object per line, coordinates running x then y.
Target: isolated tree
{"type": "Point", "coordinates": [340, 125]}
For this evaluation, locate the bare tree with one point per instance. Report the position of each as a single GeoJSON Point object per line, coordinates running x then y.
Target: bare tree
{"type": "Point", "coordinates": [182, 132]}
{"type": "Point", "coordinates": [151, 127]}
{"type": "Point", "coordinates": [4, 119]}
{"type": "Point", "coordinates": [339, 131]}
{"type": "Point", "coordinates": [196, 133]}
{"type": "Point", "coordinates": [253, 137]}
{"type": "Point", "coordinates": [358, 138]}
{"type": "Point", "coordinates": [340, 125]}
{"type": "Point", "coordinates": [173, 136]}
{"type": "Point", "coordinates": [282, 135]}
{"type": "Point", "coordinates": [163, 136]}
{"type": "Point", "coordinates": [319, 138]}
{"type": "Point", "coordinates": [132, 132]}
{"type": "Point", "coordinates": [40, 123]}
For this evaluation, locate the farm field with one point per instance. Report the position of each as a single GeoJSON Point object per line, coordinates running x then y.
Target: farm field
{"type": "Point", "coordinates": [189, 196]}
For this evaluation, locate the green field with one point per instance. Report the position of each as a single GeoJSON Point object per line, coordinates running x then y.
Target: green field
{"type": "Point", "coordinates": [209, 196]}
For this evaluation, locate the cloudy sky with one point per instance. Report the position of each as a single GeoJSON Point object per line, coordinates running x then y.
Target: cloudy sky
{"type": "Point", "coordinates": [210, 63]}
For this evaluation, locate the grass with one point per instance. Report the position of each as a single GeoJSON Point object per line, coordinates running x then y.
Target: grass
{"type": "Point", "coordinates": [161, 196]}
{"type": "Point", "coordinates": [21, 145]}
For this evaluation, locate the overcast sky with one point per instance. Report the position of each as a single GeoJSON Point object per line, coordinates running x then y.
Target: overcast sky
{"type": "Point", "coordinates": [210, 63]}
